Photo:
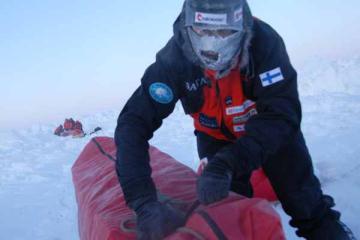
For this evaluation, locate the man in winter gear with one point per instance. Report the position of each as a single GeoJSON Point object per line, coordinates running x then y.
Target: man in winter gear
{"type": "Point", "coordinates": [232, 74]}
{"type": "Point", "coordinates": [69, 124]}
{"type": "Point", "coordinates": [59, 130]}
{"type": "Point", "coordinates": [70, 128]}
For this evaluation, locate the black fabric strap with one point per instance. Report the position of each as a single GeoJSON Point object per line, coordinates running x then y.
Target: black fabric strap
{"type": "Point", "coordinates": [102, 150]}
{"type": "Point", "coordinates": [212, 224]}
{"type": "Point", "coordinates": [192, 208]}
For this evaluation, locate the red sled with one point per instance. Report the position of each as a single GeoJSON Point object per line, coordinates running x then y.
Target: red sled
{"type": "Point", "coordinates": [103, 214]}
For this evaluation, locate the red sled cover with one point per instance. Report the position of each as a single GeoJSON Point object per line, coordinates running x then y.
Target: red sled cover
{"type": "Point", "coordinates": [103, 214]}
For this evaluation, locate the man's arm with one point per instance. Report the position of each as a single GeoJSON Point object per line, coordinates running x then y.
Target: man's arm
{"type": "Point", "coordinates": [153, 101]}
{"type": "Point", "coordinates": [278, 119]}
{"type": "Point", "coordinates": [279, 112]}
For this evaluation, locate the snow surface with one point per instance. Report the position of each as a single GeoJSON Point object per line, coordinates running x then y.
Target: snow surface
{"type": "Point", "coordinates": [36, 192]}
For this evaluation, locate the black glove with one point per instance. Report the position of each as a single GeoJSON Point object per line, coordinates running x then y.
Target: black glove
{"type": "Point", "coordinates": [214, 183]}
{"type": "Point", "coordinates": [156, 220]}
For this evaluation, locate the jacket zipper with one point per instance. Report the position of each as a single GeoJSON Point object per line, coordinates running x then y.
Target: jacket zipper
{"type": "Point", "coordinates": [227, 133]}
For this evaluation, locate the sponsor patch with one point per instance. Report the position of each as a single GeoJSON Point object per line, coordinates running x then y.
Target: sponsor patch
{"type": "Point", "coordinates": [238, 15]}
{"type": "Point", "coordinates": [271, 77]}
{"type": "Point", "coordinates": [161, 93]}
{"type": "Point", "coordinates": [239, 109]}
{"type": "Point", "coordinates": [207, 121]}
{"type": "Point", "coordinates": [245, 117]}
{"type": "Point", "coordinates": [239, 128]}
{"type": "Point", "coordinates": [211, 18]}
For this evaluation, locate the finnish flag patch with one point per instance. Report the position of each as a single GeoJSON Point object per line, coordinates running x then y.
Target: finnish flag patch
{"type": "Point", "coordinates": [271, 77]}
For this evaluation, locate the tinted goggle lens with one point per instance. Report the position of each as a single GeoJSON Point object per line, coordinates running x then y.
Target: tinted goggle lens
{"type": "Point", "coordinates": [213, 32]}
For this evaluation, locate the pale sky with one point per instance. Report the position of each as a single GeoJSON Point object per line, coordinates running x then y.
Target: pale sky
{"type": "Point", "coordinates": [59, 58]}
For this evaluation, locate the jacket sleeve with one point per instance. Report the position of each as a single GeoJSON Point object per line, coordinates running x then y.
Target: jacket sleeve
{"type": "Point", "coordinates": [153, 101]}
{"type": "Point", "coordinates": [278, 106]}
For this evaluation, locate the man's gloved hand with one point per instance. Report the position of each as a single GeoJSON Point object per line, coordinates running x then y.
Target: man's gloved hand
{"type": "Point", "coordinates": [214, 183]}
{"type": "Point", "coordinates": [156, 220]}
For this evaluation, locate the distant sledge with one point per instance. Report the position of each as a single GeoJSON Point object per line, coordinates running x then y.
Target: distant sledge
{"type": "Point", "coordinates": [73, 128]}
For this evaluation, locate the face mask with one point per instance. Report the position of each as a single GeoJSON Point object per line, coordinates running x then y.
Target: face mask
{"type": "Point", "coordinates": [215, 51]}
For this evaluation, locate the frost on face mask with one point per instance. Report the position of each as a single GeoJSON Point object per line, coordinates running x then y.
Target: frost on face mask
{"type": "Point", "coordinates": [217, 31]}
{"type": "Point", "coordinates": [216, 52]}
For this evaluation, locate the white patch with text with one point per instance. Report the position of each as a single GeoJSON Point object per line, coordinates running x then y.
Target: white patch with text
{"type": "Point", "coordinates": [210, 18]}
{"type": "Point", "coordinates": [245, 117]}
{"type": "Point", "coordinates": [239, 109]}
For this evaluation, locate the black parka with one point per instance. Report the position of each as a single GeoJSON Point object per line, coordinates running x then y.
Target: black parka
{"type": "Point", "coordinates": [278, 107]}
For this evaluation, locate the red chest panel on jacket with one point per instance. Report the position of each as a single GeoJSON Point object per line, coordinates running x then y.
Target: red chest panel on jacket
{"type": "Point", "coordinates": [226, 109]}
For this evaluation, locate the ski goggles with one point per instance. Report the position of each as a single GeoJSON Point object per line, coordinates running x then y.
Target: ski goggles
{"type": "Point", "coordinates": [222, 33]}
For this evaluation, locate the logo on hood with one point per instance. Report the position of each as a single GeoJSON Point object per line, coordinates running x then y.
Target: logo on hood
{"type": "Point", "coordinates": [238, 15]}
{"type": "Point", "coordinates": [210, 18]}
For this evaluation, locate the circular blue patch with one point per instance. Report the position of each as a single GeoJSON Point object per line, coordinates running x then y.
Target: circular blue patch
{"type": "Point", "coordinates": [161, 92]}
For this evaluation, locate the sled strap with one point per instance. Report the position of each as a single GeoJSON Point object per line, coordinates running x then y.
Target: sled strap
{"type": "Point", "coordinates": [212, 224]}
{"type": "Point", "coordinates": [102, 150]}
{"type": "Point", "coordinates": [193, 207]}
